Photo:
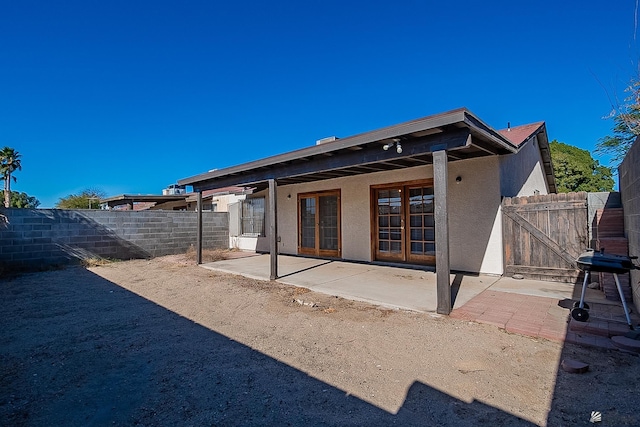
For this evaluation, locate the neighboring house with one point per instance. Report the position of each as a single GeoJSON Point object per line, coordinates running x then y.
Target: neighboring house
{"type": "Point", "coordinates": [424, 192]}
{"type": "Point", "coordinates": [216, 200]}
{"type": "Point", "coordinates": [133, 202]}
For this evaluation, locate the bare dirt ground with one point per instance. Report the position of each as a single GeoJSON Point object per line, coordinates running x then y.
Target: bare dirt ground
{"type": "Point", "coordinates": [164, 342]}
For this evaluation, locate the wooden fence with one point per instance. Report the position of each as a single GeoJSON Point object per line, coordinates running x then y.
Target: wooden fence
{"type": "Point", "coordinates": [543, 235]}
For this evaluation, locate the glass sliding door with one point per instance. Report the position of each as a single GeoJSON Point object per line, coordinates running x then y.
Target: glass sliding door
{"type": "Point", "coordinates": [319, 224]}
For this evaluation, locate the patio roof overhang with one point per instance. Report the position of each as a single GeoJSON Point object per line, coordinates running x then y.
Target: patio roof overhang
{"type": "Point", "coordinates": [460, 133]}
{"type": "Point", "coordinates": [130, 199]}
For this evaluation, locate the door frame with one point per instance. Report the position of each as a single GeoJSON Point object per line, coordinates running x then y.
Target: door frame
{"type": "Point", "coordinates": [406, 256]}
{"type": "Point", "coordinates": [317, 251]}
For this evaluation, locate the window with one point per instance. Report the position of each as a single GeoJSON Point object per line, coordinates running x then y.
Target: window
{"type": "Point", "coordinates": [253, 217]}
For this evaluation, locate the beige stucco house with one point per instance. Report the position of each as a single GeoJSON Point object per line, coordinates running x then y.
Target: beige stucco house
{"type": "Point", "coordinates": [424, 192]}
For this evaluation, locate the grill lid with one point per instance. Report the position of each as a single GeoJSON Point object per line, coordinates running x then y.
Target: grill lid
{"type": "Point", "coordinates": [606, 263]}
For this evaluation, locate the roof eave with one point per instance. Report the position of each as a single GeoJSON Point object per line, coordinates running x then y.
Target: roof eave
{"type": "Point", "coordinates": [545, 153]}
{"type": "Point", "coordinates": [379, 135]}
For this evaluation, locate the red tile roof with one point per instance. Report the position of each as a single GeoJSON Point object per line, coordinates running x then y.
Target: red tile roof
{"type": "Point", "coordinates": [520, 134]}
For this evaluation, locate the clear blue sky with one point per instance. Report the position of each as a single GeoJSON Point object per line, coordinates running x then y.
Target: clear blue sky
{"type": "Point", "coordinates": [130, 96]}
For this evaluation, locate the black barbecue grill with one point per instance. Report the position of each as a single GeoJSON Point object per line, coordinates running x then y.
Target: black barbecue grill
{"type": "Point", "coordinates": [592, 261]}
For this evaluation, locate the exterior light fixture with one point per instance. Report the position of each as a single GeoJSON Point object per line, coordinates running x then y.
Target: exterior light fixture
{"type": "Point", "coordinates": [458, 179]}
{"type": "Point", "coordinates": [396, 142]}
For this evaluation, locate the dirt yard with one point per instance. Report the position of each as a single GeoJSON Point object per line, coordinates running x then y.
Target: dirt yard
{"type": "Point", "coordinates": [164, 342]}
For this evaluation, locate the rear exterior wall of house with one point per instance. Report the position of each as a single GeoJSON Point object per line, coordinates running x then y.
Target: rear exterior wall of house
{"type": "Point", "coordinates": [522, 173]}
{"type": "Point", "coordinates": [475, 218]}
{"type": "Point", "coordinates": [474, 204]}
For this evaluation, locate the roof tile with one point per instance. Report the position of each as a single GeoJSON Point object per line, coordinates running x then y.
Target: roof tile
{"type": "Point", "coordinates": [520, 134]}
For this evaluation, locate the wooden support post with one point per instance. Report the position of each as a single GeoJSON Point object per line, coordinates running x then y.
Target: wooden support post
{"type": "Point", "coordinates": [273, 229]}
{"type": "Point", "coordinates": [199, 232]}
{"type": "Point", "coordinates": [440, 179]}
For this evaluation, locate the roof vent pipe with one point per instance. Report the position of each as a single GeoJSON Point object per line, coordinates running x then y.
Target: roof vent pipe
{"type": "Point", "coordinates": [327, 139]}
{"type": "Point", "coordinates": [508, 126]}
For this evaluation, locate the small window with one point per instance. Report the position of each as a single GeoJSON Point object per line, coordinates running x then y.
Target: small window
{"type": "Point", "coordinates": [253, 217]}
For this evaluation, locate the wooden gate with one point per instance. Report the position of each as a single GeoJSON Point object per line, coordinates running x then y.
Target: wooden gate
{"type": "Point", "coordinates": [543, 235]}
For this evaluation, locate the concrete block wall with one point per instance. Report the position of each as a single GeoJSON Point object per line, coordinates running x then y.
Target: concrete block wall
{"type": "Point", "coordinates": [629, 178]}
{"type": "Point", "coordinates": [37, 238]}
{"type": "Point", "coordinates": [596, 201]}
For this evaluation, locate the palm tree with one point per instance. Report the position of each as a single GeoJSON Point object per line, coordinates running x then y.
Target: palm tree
{"type": "Point", "coordinates": [9, 163]}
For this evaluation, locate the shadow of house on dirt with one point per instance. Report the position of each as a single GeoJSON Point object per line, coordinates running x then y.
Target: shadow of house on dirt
{"type": "Point", "coordinates": [96, 361]}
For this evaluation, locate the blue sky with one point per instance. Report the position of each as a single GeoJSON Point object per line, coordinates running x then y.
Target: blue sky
{"type": "Point", "coordinates": [130, 96]}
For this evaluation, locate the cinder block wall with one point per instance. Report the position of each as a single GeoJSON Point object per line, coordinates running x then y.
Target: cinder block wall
{"type": "Point", "coordinates": [629, 175]}
{"type": "Point", "coordinates": [36, 238]}
{"type": "Point", "coordinates": [596, 201]}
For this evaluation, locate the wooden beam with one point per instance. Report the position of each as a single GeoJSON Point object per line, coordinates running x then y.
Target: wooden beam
{"type": "Point", "coordinates": [273, 229]}
{"type": "Point", "coordinates": [440, 179]}
{"type": "Point", "coordinates": [486, 150]}
{"type": "Point", "coordinates": [199, 232]}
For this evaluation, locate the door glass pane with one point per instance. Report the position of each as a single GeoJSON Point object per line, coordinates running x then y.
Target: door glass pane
{"type": "Point", "coordinates": [421, 222]}
{"type": "Point", "coordinates": [389, 221]}
{"type": "Point", "coordinates": [328, 222]}
{"type": "Point", "coordinates": [308, 222]}
{"type": "Point", "coordinates": [428, 221]}
{"type": "Point", "coordinates": [429, 234]}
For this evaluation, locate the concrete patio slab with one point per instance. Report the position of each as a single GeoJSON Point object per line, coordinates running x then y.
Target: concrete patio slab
{"type": "Point", "coordinates": [535, 288]}
{"type": "Point", "coordinates": [540, 288]}
{"type": "Point", "coordinates": [528, 307]}
{"type": "Point", "coordinates": [391, 287]}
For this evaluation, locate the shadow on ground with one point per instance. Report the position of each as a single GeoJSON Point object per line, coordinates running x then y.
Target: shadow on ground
{"type": "Point", "coordinates": [88, 352]}
{"type": "Point", "coordinates": [610, 385]}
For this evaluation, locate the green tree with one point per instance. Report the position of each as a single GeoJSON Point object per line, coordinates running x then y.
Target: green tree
{"type": "Point", "coordinates": [22, 200]}
{"type": "Point", "coordinates": [9, 163]}
{"type": "Point", "coordinates": [87, 199]}
{"type": "Point", "coordinates": [626, 126]}
{"type": "Point", "coordinates": [576, 170]}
